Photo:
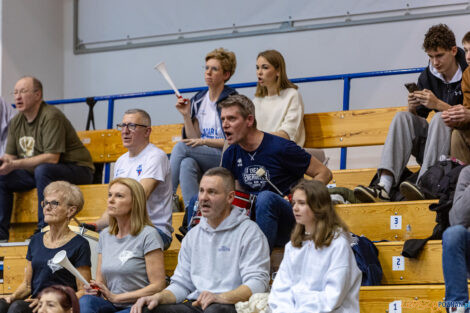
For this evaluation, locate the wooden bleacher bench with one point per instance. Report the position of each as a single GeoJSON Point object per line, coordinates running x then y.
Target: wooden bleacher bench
{"type": "Point", "coordinates": [323, 130]}
{"type": "Point", "coordinates": [354, 128]}
{"type": "Point", "coordinates": [413, 298]}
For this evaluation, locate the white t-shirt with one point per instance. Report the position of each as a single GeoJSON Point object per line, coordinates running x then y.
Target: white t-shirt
{"type": "Point", "coordinates": [209, 121]}
{"type": "Point", "coordinates": [153, 163]}
{"type": "Point", "coordinates": [284, 112]}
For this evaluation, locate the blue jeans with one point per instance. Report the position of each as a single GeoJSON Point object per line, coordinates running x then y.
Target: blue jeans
{"type": "Point", "coordinates": [94, 304]}
{"type": "Point", "coordinates": [44, 174]}
{"type": "Point", "coordinates": [456, 262]}
{"type": "Point", "coordinates": [188, 164]}
{"type": "Point", "coordinates": [275, 218]}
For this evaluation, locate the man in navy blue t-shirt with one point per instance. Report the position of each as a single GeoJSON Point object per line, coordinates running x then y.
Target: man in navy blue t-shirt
{"type": "Point", "coordinates": [283, 162]}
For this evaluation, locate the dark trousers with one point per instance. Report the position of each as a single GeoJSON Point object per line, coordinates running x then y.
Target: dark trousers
{"type": "Point", "coordinates": [18, 306]}
{"type": "Point", "coordinates": [187, 307]}
{"type": "Point", "coordinates": [44, 174]}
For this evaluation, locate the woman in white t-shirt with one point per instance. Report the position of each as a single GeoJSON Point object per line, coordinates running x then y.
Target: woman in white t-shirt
{"type": "Point", "coordinates": [278, 105]}
{"type": "Point", "coordinates": [203, 138]}
{"type": "Point", "coordinates": [130, 253]}
{"type": "Point", "coordinates": [318, 272]}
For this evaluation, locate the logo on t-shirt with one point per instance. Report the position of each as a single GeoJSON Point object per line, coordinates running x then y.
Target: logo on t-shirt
{"type": "Point", "coordinates": [125, 256]}
{"type": "Point", "coordinates": [239, 162]}
{"type": "Point", "coordinates": [139, 169]}
{"type": "Point", "coordinates": [27, 145]}
{"type": "Point", "coordinates": [251, 179]}
{"type": "Point", "coordinates": [224, 249]}
{"type": "Point", "coordinates": [119, 172]}
{"type": "Point", "coordinates": [53, 266]}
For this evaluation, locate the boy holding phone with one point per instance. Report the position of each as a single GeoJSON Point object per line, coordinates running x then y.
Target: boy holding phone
{"type": "Point", "coordinates": [409, 133]}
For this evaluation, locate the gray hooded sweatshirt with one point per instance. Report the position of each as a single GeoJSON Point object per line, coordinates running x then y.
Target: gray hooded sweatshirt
{"type": "Point", "coordinates": [460, 212]}
{"type": "Point", "coordinates": [219, 260]}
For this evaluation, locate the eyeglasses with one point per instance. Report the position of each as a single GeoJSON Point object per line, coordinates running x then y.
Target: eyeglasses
{"type": "Point", "coordinates": [21, 92]}
{"type": "Point", "coordinates": [52, 203]}
{"type": "Point", "coordinates": [130, 126]}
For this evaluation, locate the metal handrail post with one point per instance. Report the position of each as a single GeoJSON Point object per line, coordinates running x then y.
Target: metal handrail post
{"type": "Point", "coordinates": [346, 94]}
{"type": "Point", "coordinates": [107, 166]}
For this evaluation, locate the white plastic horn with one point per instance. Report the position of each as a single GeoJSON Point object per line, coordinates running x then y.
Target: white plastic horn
{"type": "Point", "coordinates": [162, 69]}
{"type": "Point", "coordinates": [61, 259]}
{"type": "Point", "coordinates": [261, 173]}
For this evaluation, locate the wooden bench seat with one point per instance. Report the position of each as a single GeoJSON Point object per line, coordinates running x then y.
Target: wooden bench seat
{"type": "Point", "coordinates": [411, 298]}
{"type": "Point", "coordinates": [426, 269]}
{"type": "Point", "coordinates": [377, 225]}
{"type": "Point", "coordinates": [323, 130]}
{"type": "Point", "coordinates": [106, 145]}
{"type": "Point", "coordinates": [377, 221]}
{"type": "Point", "coordinates": [351, 178]}
{"type": "Point", "coordinates": [353, 128]}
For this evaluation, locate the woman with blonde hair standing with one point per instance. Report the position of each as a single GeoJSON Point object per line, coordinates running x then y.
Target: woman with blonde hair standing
{"type": "Point", "coordinates": [130, 254]}
{"type": "Point", "coordinates": [278, 104]}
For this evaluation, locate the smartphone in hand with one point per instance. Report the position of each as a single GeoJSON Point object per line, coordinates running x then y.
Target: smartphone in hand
{"type": "Point", "coordinates": [412, 87]}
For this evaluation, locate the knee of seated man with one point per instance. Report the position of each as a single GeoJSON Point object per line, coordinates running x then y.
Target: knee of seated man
{"type": "Point", "coordinates": [87, 301]}
{"type": "Point", "coordinates": [220, 308]}
{"type": "Point", "coordinates": [454, 234]}
{"type": "Point", "coordinates": [403, 114]}
{"type": "Point", "coordinates": [266, 200]}
{"type": "Point", "coordinates": [17, 306]}
{"type": "Point", "coordinates": [43, 169]}
{"type": "Point", "coordinates": [402, 118]}
{"type": "Point", "coordinates": [437, 118]}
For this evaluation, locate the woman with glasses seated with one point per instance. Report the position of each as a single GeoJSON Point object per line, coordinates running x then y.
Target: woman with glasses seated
{"type": "Point", "coordinates": [62, 201]}
{"type": "Point", "coordinates": [130, 253]}
{"type": "Point", "coordinates": [203, 138]}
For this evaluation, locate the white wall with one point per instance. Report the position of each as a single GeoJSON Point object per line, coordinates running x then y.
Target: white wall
{"type": "Point", "coordinates": [32, 44]}
{"type": "Point", "coordinates": [310, 53]}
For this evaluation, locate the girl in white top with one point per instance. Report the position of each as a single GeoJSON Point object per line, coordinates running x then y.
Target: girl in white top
{"type": "Point", "coordinates": [278, 105]}
{"type": "Point", "coordinates": [318, 272]}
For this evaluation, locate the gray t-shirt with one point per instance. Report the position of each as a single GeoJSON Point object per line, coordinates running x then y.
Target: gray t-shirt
{"type": "Point", "coordinates": [123, 260]}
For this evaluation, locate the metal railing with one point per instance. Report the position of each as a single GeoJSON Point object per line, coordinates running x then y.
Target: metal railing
{"type": "Point", "coordinates": [346, 95]}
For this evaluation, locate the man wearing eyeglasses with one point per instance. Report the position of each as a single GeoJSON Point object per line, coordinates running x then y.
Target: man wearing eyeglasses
{"type": "Point", "coordinates": [42, 147]}
{"type": "Point", "coordinates": [148, 165]}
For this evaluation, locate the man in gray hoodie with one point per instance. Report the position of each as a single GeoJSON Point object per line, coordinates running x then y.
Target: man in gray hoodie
{"type": "Point", "coordinates": [222, 261]}
{"type": "Point", "coordinates": [456, 246]}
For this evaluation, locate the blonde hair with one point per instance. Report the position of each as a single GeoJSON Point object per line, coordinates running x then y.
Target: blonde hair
{"type": "Point", "coordinates": [227, 60]}
{"type": "Point", "coordinates": [276, 59]}
{"type": "Point", "coordinates": [70, 193]}
{"type": "Point", "coordinates": [139, 215]}
{"type": "Point", "coordinates": [327, 223]}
